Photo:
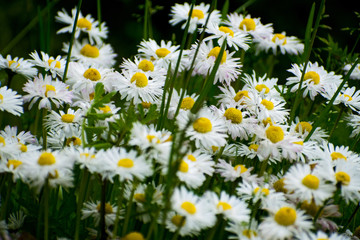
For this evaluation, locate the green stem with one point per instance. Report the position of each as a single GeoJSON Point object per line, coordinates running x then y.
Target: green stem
{"type": "Point", "coordinates": [128, 210]}
{"type": "Point", "coordinates": [103, 234]}
{"type": "Point", "coordinates": [46, 210]}
{"type": "Point", "coordinates": [119, 205]}
{"type": "Point", "coordinates": [351, 218]}
{"type": "Point", "coordinates": [44, 131]}
{"type": "Point", "coordinates": [82, 191]}
{"type": "Point", "coordinates": [263, 167]}
{"type": "Point", "coordinates": [7, 197]}
{"type": "Point", "coordinates": [99, 13]}
{"type": "Point", "coordinates": [213, 231]}
{"type": "Point", "coordinates": [336, 122]}
{"type": "Point", "coordinates": [355, 143]}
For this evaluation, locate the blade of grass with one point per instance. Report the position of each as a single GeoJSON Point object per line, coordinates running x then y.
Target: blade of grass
{"type": "Point", "coordinates": [244, 6]}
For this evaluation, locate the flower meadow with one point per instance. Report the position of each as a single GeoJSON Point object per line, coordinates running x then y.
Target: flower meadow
{"type": "Point", "coordinates": [190, 138]}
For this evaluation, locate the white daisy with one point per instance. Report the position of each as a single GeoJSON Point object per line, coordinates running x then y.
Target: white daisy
{"type": "Point", "coordinates": [85, 157]}
{"type": "Point", "coordinates": [202, 161]}
{"type": "Point", "coordinates": [175, 222]}
{"type": "Point", "coordinates": [186, 104]}
{"type": "Point", "coordinates": [18, 65]}
{"type": "Point", "coordinates": [263, 85]}
{"type": "Point", "coordinates": [301, 129]}
{"type": "Point", "coordinates": [232, 173]}
{"type": "Point", "coordinates": [189, 174]}
{"type": "Point", "coordinates": [355, 74]}
{"type": "Point", "coordinates": [10, 101]}
{"type": "Point", "coordinates": [353, 120]}
{"type": "Point", "coordinates": [55, 65]}
{"type": "Point", "coordinates": [321, 235]}
{"type": "Point", "coordinates": [92, 209]}
{"type": "Point", "coordinates": [244, 231]}
{"type": "Point", "coordinates": [333, 153]}
{"type": "Point", "coordinates": [143, 65]}
{"type": "Point", "coordinates": [348, 97]}
{"type": "Point", "coordinates": [68, 122]}
{"type": "Point", "coordinates": [233, 98]}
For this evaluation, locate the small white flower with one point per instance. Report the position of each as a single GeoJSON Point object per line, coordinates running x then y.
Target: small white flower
{"type": "Point", "coordinates": [55, 65]}
{"type": "Point", "coordinates": [18, 65]}
{"type": "Point", "coordinates": [10, 101]}
{"type": "Point", "coordinates": [286, 44]}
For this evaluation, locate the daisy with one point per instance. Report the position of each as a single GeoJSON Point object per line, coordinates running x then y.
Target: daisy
{"type": "Point", "coordinates": [85, 24]}
{"type": "Point", "coordinates": [180, 13]}
{"type": "Point", "coordinates": [284, 222]}
{"type": "Point", "coordinates": [18, 65]}
{"type": "Point", "coordinates": [348, 97]}
{"type": "Point", "coordinates": [58, 139]}
{"type": "Point", "coordinates": [332, 154]}
{"type": "Point", "coordinates": [198, 212]}
{"type": "Point", "coordinates": [186, 104]}
{"type": "Point", "coordinates": [231, 207]}
{"type": "Point", "coordinates": [123, 164]}
{"type": "Point", "coordinates": [19, 142]}
{"type": "Point", "coordinates": [55, 65]}
{"type": "Point", "coordinates": [82, 77]}
{"type": "Point", "coordinates": [10, 101]}
{"type": "Point", "coordinates": [8, 147]}
{"type": "Point", "coordinates": [233, 39]}
{"type": "Point", "coordinates": [229, 67]}
{"type": "Point", "coordinates": [176, 222]}
{"type": "Point", "coordinates": [92, 209]}
{"type": "Point", "coordinates": [316, 79]}
{"type": "Point", "coordinates": [202, 161]}
{"type": "Point", "coordinates": [67, 122]}
{"type": "Point", "coordinates": [355, 74]}
{"type": "Point", "coordinates": [143, 65]}
{"type": "Point", "coordinates": [206, 130]}
{"type": "Point", "coordinates": [301, 129]}
{"type": "Point", "coordinates": [353, 120]}
{"type": "Point", "coordinates": [248, 24]}
{"type": "Point", "coordinates": [232, 173]}
{"type": "Point", "coordinates": [286, 44]}
{"type": "Point", "coordinates": [189, 174]}
{"type": "Point", "coordinates": [262, 85]}
{"type": "Point", "coordinates": [321, 235]}
{"type": "Point", "coordinates": [14, 166]}
{"type": "Point", "coordinates": [305, 184]}
{"type": "Point", "coordinates": [48, 91]}
{"type": "Point", "coordinates": [85, 158]}
{"type": "Point", "coordinates": [244, 231]}
{"type": "Point", "coordinates": [233, 98]}
{"type": "Point", "coordinates": [91, 55]}
{"type": "Point", "coordinates": [137, 86]}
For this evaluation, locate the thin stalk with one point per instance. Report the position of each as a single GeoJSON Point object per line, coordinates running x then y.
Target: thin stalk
{"type": "Point", "coordinates": [103, 234]}
{"type": "Point", "coordinates": [99, 13]}
{"type": "Point", "coordinates": [355, 143]}
{"type": "Point", "coordinates": [128, 210]}
{"type": "Point", "coordinates": [213, 231]}
{"type": "Point", "coordinates": [82, 191]}
{"type": "Point", "coordinates": [351, 218]}
{"type": "Point", "coordinates": [263, 167]}
{"type": "Point", "coordinates": [46, 210]}
{"type": "Point", "coordinates": [119, 205]}
{"type": "Point", "coordinates": [44, 131]}
{"type": "Point", "coordinates": [179, 228]}
{"type": "Point", "coordinates": [72, 40]}
{"type": "Point", "coordinates": [336, 122]}
{"type": "Point", "coordinates": [7, 197]}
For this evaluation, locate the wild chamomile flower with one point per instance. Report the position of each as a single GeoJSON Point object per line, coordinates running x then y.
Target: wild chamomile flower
{"type": "Point", "coordinates": [123, 164]}
{"type": "Point", "coordinates": [301, 129]}
{"type": "Point", "coordinates": [46, 90]}
{"type": "Point", "coordinates": [18, 142]}
{"type": "Point", "coordinates": [176, 222]}
{"type": "Point", "coordinates": [186, 104]}
{"type": "Point", "coordinates": [231, 207]}
{"type": "Point", "coordinates": [233, 39]}
{"type": "Point", "coordinates": [355, 74]}
{"type": "Point", "coordinates": [348, 97]}
{"type": "Point", "coordinates": [316, 79]}
{"type": "Point", "coordinates": [143, 65]}
{"type": "Point", "coordinates": [85, 158]}
{"type": "Point", "coordinates": [229, 67]}
{"type": "Point", "coordinates": [137, 86]}
{"type": "Point", "coordinates": [321, 235]}
{"type": "Point", "coordinates": [232, 173]}
{"type": "Point", "coordinates": [305, 184]}
{"type": "Point", "coordinates": [244, 231]}
{"type": "Point", "coordinates": [13, 165]}
{"type": "Point", "coordinates": [92, 209]}
{"type": "Point", "coordinates": [284, 222]}
{"type": "Point", "coordinates": [18, 65]}
{"type": "Point", "coordinates": [234, 98]}
{"type": "Point", "coordinates": [85, 24]}
{"type": "Point", "coordinates": [68, 122]}
{"type": "Point", "coordinates": [55, 65]}
{"type": "Point", "coordinates": [10, 101]}
{"type": "Point", "coordinates": [248, 24]}
{"type": "Point", "coordinates": [80, 76]}
{"type": "Point", "coordinates": [279, 41]}
{"type": "Point", "coordinates": [202, 161]}
{"type": "Point", "coordinates": [264, 86]}
{"type": "Point", "coordinates": [100, 55]}
{"type": "Point", "coordinates": [198, 211]}
{"type": "Point", "coordinates": [59, 139]}
{"type": "Point", "coordinates": [180, 13]}
{"type": "Point", "coordinates": [189, 174]}
{"type": "Point", "coordinates": [332, 154]}
{"type": "Point", "coordinates": [206, 130]}
{"type": "Point", "coordinates": [353, 120]}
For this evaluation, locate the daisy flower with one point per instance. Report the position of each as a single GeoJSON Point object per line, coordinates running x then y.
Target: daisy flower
{"type": "Point", "coordinates": [47, 91]}
{"type": "Point", "coordinates": [92, 209]}
{"type": "Point", "coordinates": [262, 85]}
{"type": "Point", "coordinates": [286, 44]}
{"type": "Point", "coordinates": [68, 122]}
{"type": "Point", "coordinates": [82, 77]}
{"type": "Point", "coordinates": [180, 13]}
{"type": "Point", "coordinates": [100, 55]}
{"type": "Point", "coordinates": [10, 101]}
{"type": "Point", "coordinates": [189, 174]}
{"type": "Point", "coordinates": [233, 98]}
{"type": "Point", "coordinates": [176, 222]}
{"type": "Point", "coordinates": [229, 67]}
{"type": "Point", "coordinates": [231, 207]}
{"type": "Point", "coordinates": [58, 139]}
{"type": "Point", "coordinates": [8, 147]}
{"type": "Point", "coordinates": [185, 106]}
{"type": "Point", "coordinates": [247, 24]}
{"type": "Point", "coordinates": [85, 158]}
{"type": "Point", "coordinates": [202, 161]}
{"type": "Point", "coordinates": [332, 154]}
{"type": "Point", "coordinates": [355, 74]}
{"type": "Point", "coordinates": [348, 97]}
{"type": "Point", "coordinates": [24, 141]}
{"type": "Point", "coordinates": [207, 130]}
{"type": "Point", "coordinates": [233, 39]}
{"type": "Point", "coordinates": [284, 222]}
{"type": "Point", "coordinates": [232, 173]}
{"type": "Point", "coordinates": [14, 166]}
{"type": "Point", "coordinates": [244, 231]}
{"type": "Point", "coordinates": [55, 65]}
{"type": "Point", "coordinates": [301, 129]}
{"type": "Point", "coordinates": [321, 235]}
{"type": "Point", "coordinates": [353, 120]}
{"type": "Point", "coordinates": [198, 211]}
{"type": "Point", "coordinates": [85, 24]}
{"type": "Point", "coordinates": [316, 79]}
{"type": "Point", "coordinates": [18, 65]}
{"type": "Point", "coordinates": [143, 65]}
{"type": "Point", "coordinates": [123, 164]}
{"type": "Point", "coordinates": [305, 184]}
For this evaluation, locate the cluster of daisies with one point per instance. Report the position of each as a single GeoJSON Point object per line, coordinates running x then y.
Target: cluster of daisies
{"type": "Point", "coordinates": [242, 167]}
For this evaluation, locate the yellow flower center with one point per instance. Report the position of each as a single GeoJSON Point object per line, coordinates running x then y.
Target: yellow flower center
{"type": "Point", "coordinates": [343, 178]}
{"type": "Point", "coordinates": [13, 162]}
{"type": "Point", "coordinates": [348, 97]}
{"type": "Point", "coordinates": [215, 53]}
{"type": "Point", "coordinates": [267, 121]}
{"type": "Point", "coordinates": [151, 137]}
{"type": "Point", "coordinates": [2, 140]}
{"type": "Point", "coordinates": [187, 103]}
{"type": "Point", "coordinates": [299, 143]}
{"type": "Point", "coordinates": [46, 158]}
{"type": "Point", "coordinates": [140, 197]}
{"type": "Point", "coordinates": [197, 13]}
{"type": "Point", "coordinates": [268, 104]}
{"type": "Point", "coordinates": [125, 163]}
{"type": "Point", "coordinates": [191, 158]}
{"type": "Point", "coordinates": [23, 147]}
{"type": "Point", "coordinates": [261, 87]}
{"type": "Point", "coordinates": [49, 88]}
{"type": "Point", "coordinates": [108, 208]}
{"type": "Point", "coordinates": [92, 74]}
{"type": "Point", "coordinates": [105, 109]}
{"type": "Point", "coordinates": [146, 104]}
{"type": "Point", "coordinates": [74, 140]}
{"type": "Point", "coordinates": [87, 155]}
{"type": "Point", "coordinates": [1, 98]}
{"type": "Point", "coordinates": [322, 239]}
{"type": "Point", "coordinates": [264, 191]}
{"type": "Point", "coordinates": [234, 115]}
{"type": "Point", "coordinates": [189, 207]}
{"type": "Point", "coordinates": [279, 186]}
{"type": "Point", "coordinates": [254, 147]}
{"type": "Point", "coordinates": [239, 95]}
{"type": "Point", "coordinates": [249, 233]}
{"type": "Point", "coordinates": [90, 51]}
{"type": "Point", "coordinates": [241, 167]}
{"type": "Point", "coordinates": [140, 80]}
{"type": "Point", "coordinates": [311, 181]}
{"type": "Point", "coordinates": [305, 126]}
{"type": "Point", "coordinates": [12, 61]}
{"type": "Point", "coordinates": [162, 52]}
{"type": "Point", "coordinates": [57, 64]}
{"type": "Point", "coordinates": [202, 125]}
{"type": "Point", "coordinates": [337, 155]}
{"type": "Point", "coordinates": [83, 23]}
{"type": "Point", "coordinates": [68, 118]}
{"type": "Point", "coordinates": [214, 148]}
{"type": "Point", "coordinates": [226, 30]}
{"type": "Point", "coordinates": [313, 77]}
{"type": "Point", "coordinates": [134, 236]}
{"type": "Point", "coordinates": [274, 134]}
{"type": "Point", "coordinates": [184, 167]}
{"type": "Point", "coordinates": [286, 216]}
{"type": "Point", "coordinates": [54, 175]}
{"type": "Point", "coordinates": [224, 206]}
{"type": "Point", "coordinates": [146, 65]}
{"type": "Point", "coordinates": [178, 220]}
{"type": "Point", "coordinates": [248, 24]}
{"type": "Point", "coordinates": [280, 37]}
